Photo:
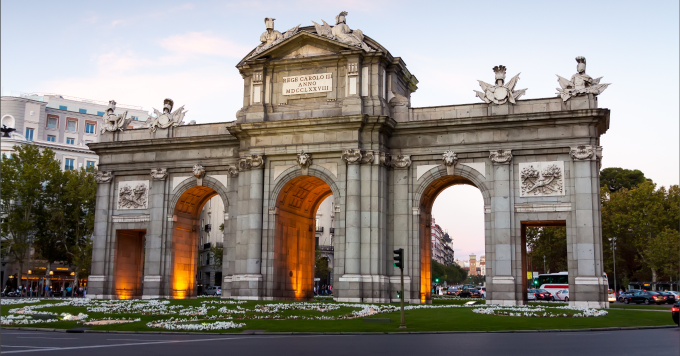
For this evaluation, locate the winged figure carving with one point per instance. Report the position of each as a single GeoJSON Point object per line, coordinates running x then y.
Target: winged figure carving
{"type": "Point", "coordinates": [324, 30]}
{"type": "Point", "coordinates": [112, 122]}
{"type": "Point", "coordinates": [580, 83]}
{"type": "Point", "coordinates": [341, 32]}
{"type": "Point", "coordinates": [167, 118]}
{"type": "Point", "coordinates": [501, 92]}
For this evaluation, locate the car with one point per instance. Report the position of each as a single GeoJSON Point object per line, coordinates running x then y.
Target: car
{"type": "Point", "coordinates": [542, 294]}
{"type": "Point", "coordinates": [563, 295]}
{"type": "Point", "coordinates": [469, 293]}
{"type": "Point", "coordinates": [213, 290]}
{"type": "Point", "coordinates": [627, 293]}
{"type": "Point", "coordinates": [531, 294]}
{"type": "Point", "coordinates": [452, 291]}
{"type": "Point", "coordinates": [482, 292]}
{"type": "Point", "coordinates": [670, 297]}
{"type": "Point", "coordinates": [675, 310]}
{"type": "Point", "coordinates": [611, 297]}
{"type": "Point", "coordinates": [646, 297]}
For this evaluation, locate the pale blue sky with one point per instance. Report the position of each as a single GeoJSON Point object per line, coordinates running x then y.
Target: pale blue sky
{"type": "Point", "coordinates": [140, 52]}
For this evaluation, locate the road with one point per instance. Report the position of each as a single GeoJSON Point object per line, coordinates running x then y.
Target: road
{"type": "Point", "coordinates": [657, 342]}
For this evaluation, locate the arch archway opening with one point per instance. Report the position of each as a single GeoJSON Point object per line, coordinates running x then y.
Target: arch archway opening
{"type": "Point", "coordinates": [187, 232]}
{"type": "Point", "coordinates": [459, 209]}
{"type": "Point", "coordinates": [295, 236]}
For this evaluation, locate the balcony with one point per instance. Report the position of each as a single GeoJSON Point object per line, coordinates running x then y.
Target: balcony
{"type": "Point", "coordinates": [319, 229]}
{"type": "Point", "coordinates": [325, 248]}
{"type": "Point", "coordinates": [206, 246]}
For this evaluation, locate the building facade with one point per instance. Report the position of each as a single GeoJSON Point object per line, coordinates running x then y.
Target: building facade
{"type": "Point", "coordinates": [328, 112]}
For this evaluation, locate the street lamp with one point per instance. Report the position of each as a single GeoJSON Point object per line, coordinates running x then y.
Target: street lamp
{"type": "Point", "coordinates": [613, 247]}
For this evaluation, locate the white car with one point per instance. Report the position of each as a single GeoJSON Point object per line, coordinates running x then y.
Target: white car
{"type": "Point", "coordinates": [531, 295]}
{"type": "Point", "coordinates": [213, 290]}
{"type": "Point", "coordinates": [612, 297]}
{"type": "Point", "coordinates": [563, 295]}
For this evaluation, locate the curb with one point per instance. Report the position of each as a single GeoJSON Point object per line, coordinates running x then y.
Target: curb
{"type": "Point", "coordinates": [352, 333]}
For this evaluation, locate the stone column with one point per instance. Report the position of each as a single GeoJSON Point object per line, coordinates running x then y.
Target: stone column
{"type": "Point", "coordinates": [502, 287]}
{"type": "Point", "coordinates": [350, 282]}
{"type": "Point", "coordinates": [586, 275]}
{"type": "Point", "coordinates": [153, 239]}
{"type": "Point", "coordinates": [403, 233]}
{"type": "Point", "coordinates": [99, 279]}
{"type": "Point", "coordinates": [230, 225]}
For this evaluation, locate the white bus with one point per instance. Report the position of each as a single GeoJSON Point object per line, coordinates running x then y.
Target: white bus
{"type": "Point", "coordinates": [554, 282]}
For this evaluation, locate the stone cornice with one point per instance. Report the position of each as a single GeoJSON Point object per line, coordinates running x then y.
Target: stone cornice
{"type": "Point", "coordinates": [383, 124]}
{"type": "Point", "coordinates": [155, 144]}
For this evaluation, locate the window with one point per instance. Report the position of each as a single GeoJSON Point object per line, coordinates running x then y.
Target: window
{"type": "Point", "coordinates": [62, 107]}
{"type": "Point", "coordinates": [82, 111]}
{"type": "Point", "coordinates": [89, 164]}
{"type": "Point", "coordinates": [29, 134]}
{"type": "Point", "coordinates": [89, 127]}
{"type": "Point", "coordinates": [68, 164]}
{"type": "Point", "coordinates": [51, 138]}
{"type": "Point", "coordinates": [52, 122]}
{"type": "Point", "coordinates": [71, 125]}
{"type": "Point", "coordinates": [100, 113]}
{"type": "Point", "coordinates": [70, 141]}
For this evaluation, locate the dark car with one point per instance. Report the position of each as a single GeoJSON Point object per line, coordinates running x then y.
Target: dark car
{"type": "Point", "coordinates": [627, 293]}
{"type": "Point", "coordinates": [452, 291]}
{"type": "Point", "coordinates": [675, 310]}
{"type": "Point", "coordinates": [644, 297]}
{"type": "Point", "coordinates": [668, 297]}
{"type": "Point", "coordinates": [542, 294]}
{"type": "Point", "coordinates": [469, 293]}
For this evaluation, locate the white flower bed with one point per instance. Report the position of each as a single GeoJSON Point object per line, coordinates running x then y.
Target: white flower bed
{"type": "Point", "coordinates": [538, 311]}
{"type": "Point", "coordinates": [23, 320]}
{"type": "Point", "coordinates": [7, 301]}
{"type": "Point", "coordinates": [67, 316]}
{"type": "Point", "coordinates": [183, 324]}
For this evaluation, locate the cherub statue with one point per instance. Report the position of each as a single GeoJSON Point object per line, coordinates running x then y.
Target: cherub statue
{"type": "Point", "coordinates": [112, 122]}
{"type": "Point", "coordinates": [500, 93]}
{"type": "Point", "coordinates": [167, 118]}
{"type": "Point", "coordinates": [580, 83]}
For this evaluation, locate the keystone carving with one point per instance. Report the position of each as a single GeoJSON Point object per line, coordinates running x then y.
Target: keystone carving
{"type": "Point", "coordinates": [304, 160]}
{"type": "Point", "coordinates": [352, 156]}
{"type": "Point", "coordinates": [450, 158]}
{"type": "Point", "coordinates": [103, 177]}
{"type": "Point", "coordinates": [500, 156]}
{"type": "Point", "coordinates": [159, 173]}
{"type": "Point", "coordinates": [401, 161]}
{"type": "Point", "coordinates": [582, 152]}
{"type": "Point", "coordinates": [580, 83]}
{"type": "Point", "coordinates": [198, 171]}
{"type": "Point", "coordinates": [250, 162]}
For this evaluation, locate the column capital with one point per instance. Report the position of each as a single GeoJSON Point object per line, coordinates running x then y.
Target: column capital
{"type": "Point", "coordinates": [159, 173]}
{"type": "Point", "coordinates": [250, 162]}
{"type": "Point", "coordinates": [401, 161]}
{"type": "Point", "coordinates": [352, 156]}
{"type": "Point", "coordinates": [102, 177]}
{"type": "Point", "coordinates": [500, 156]}
{"type": "Point", "coordinates": [584, 153]}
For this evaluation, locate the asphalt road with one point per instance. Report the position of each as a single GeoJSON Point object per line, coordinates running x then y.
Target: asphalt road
{"type": "Point", "coordinates": [657, 342]}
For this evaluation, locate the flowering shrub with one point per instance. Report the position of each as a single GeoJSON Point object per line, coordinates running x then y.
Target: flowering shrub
{"type": "Point", "coordinates": [537, 311]}
{"type": "Point", "coordinates": [6, 301]}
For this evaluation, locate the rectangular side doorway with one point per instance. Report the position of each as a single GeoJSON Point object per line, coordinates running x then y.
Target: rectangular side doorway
{"type": "Point", "coordinates": [525, 261]}
{"type": "Point", "coordinates": [129, 261]}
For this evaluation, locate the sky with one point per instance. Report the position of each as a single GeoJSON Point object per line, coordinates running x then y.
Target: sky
{"type": "Point", "coordinates": [140, 52]}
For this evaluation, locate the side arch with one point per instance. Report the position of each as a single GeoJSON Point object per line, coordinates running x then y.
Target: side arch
{"type": "Point", "coordinates": [469, 175]}
{"type": "Point", "coordinates": [191, 182]}
{"type": "Point", "coordinates": [314, 171]}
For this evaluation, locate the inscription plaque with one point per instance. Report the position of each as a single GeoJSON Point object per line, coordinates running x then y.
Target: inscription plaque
{"type": "Point", "coordinates": [305, 84]}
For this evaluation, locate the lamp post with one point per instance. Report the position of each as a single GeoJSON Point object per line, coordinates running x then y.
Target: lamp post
{"type": "Point", "coordinates": [613, 247]}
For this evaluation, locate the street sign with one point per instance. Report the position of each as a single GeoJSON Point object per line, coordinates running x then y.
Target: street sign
{"type": "Point", "coordinates": [317, 279]}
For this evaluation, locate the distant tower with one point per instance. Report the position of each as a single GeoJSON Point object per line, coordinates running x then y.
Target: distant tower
{"type": "Point", "coordinates": [473, 265]}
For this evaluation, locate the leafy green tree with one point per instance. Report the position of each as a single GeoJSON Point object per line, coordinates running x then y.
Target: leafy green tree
{"type": "Point", "coordinates": [217, 254]}
{"type": "Point", "coordinates": [25, 178]}
{"type": "Point", "coordinates": [453, 274]}
{"type": "Point", "coordinates": [617, 178]}
{"type": "Point", "coordinates": [321, 268]}
{"type": "Point", "coordinates": [550, 242]}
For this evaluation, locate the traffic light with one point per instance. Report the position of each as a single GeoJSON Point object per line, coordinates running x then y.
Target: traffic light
{"type": "Point", "coordinates": [398, 258]}
{"type": "Point", "coordinates": [536, 282]}
{"type": "Point", "coordinates": [436, 280]}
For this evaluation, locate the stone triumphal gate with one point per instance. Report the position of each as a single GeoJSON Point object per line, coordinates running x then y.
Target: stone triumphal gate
{"type": "Point", "coordinates": [327, 111]}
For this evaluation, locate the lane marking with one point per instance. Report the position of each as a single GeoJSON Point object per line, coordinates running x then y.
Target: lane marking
{"type": "Point", "coordinates": [157, 343]}
{"type": "Point", "coordinates": [134, 340]}
{"type": "Point", "coordinates": [30, 347]}
{"type": "Point", "coordinates": [45, 337]}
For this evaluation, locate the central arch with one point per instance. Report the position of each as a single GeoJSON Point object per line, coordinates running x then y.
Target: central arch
{"type": "Point", "coordinates": [294, 237]}
{"type": "Point", "coordinates": [433, 183]}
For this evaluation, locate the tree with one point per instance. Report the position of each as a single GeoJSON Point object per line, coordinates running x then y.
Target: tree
{"type": "Point", "coordinates": [617, 178]}
{"type": "Point", "coordinates": [217, 254]}
{"type": "Point", "coordinates": [321, 269]}
{"type": "Point", "coordinates": [550, 242]}
{"type": "Point", "coordinates": [25, 178]}
{"type": "Point", "coordinates": [453, 274]}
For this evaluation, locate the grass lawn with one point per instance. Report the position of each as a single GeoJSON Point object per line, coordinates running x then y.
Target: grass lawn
{"type": "Point", "coordinates": [444, 319]}
{"type": "Point", "coordinates": [641, 306]}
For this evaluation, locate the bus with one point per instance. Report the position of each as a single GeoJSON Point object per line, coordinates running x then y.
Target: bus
{"type": "Point", "coordinates": [553, 282]}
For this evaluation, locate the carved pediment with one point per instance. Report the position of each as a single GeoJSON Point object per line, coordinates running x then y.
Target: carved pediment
{"type": "Point", "coordinates": [301, 45]}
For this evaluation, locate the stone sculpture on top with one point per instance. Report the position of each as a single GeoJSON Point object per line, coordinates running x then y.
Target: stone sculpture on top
{"type": "Point", "coordinates": [580, 83]}
{"type": "Point", "coordinates": [112, 122]}
{"type": "Point", "coordinates": [341, 32]}
{"type": "Point", "coordinates": [271, 37]}
{"type": "Point", "coordinates": [167, 118]}
{"type": "Point", "coordinates": [500, 93]}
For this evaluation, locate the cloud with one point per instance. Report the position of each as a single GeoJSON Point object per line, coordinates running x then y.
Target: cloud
{"type": "Point", "coordinates": [203, 43]}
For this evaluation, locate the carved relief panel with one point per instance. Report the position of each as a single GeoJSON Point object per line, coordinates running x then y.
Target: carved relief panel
{"type": "Point", "coordinates": [133, 194]}
{"type": "Point", "coordinates": [541, 179]}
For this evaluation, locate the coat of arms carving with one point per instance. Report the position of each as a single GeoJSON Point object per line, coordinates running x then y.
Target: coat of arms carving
{"type": "Point", "coordinates": [167, 118]}
{"type": "Point", "coordinates": [541, 179]}
{"type": "Point", "coordinates": [133, 195]}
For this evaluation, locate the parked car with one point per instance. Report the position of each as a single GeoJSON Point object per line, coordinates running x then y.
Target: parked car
{"type": "Point", "coordinates": [563, 295]}
{"type": "Point", "coordinates": [611, 296]}
{"type": "Point", "coordinates": [627, 293]}
{"type": "Point", "coordinates": [469, 293]}
{"type": "Point", "coordinates": [531, 294]}
{"type": "Point", "coordinates": [482, 292]}
{"type": "Point", "coordinates": [646, 297]}
{"type": "Point", "coordinates": [542, 294]}
{"type": "Point", "coordinates": [213, 290]}
{"type": "Point", "coordinates": [452, 291]}
{"type": "Point", "coordinates": [668, 297]}
{"type": "Point", "coordinates": [674, 312]}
